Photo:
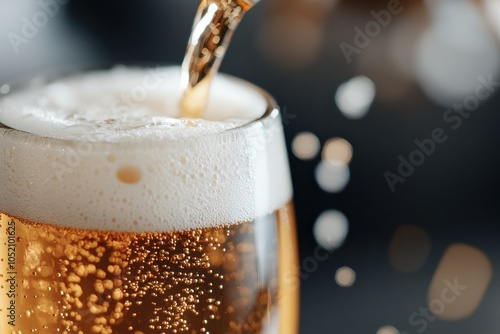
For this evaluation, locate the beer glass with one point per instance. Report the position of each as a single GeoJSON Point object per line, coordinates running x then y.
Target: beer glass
{"type": "Point", "coordinates": [117, 219]}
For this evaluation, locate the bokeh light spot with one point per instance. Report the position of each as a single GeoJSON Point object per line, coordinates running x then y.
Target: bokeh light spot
{"type": "Point", "coordinates": [355, 97]}
{"type": "Point", "coordinates": [454, 52]}
{"type": "Point", "coordinates": [295, 29]}
{"type": "Point", "coordinates": [330, 229]}
{"type": "Point", "coordinates": [345, 277]}
{"type": "Point", "coordinates": [409, 249]}
{"type": "Point", "coordinates": [459, 283]}
{"type": "Point", "coordinates": [332, 177]}
{"type": "Point", "coordinates": [5, 89]}
{"type": "Point", "coordinates": [492, 10]}
{"type": "Point", "coordinates": [387, 330]}
{"type": "Point", "coordinates": [337, 151]}
{"type": "Point", "coordinates": [305, 145]}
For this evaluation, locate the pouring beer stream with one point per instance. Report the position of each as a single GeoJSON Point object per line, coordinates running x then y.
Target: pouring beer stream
{"type": "Point", "coordinates": [213, 28]}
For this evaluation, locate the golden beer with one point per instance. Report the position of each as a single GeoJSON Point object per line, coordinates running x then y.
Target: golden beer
{"type": "Point", "coordinates": [146, 223]}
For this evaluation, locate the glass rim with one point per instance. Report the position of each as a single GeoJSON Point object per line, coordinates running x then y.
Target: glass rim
{"type": "Point", "coordinates": [271, 114]}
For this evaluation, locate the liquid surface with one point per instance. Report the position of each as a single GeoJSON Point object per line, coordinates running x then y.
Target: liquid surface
{"type": "Point", "coordinates": [238, 278]}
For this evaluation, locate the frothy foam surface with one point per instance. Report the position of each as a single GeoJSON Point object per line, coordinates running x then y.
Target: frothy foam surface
{"type": "Point", "coordinates": [125, 104]}
{"type": "Point", "coordinates": [105, 152]}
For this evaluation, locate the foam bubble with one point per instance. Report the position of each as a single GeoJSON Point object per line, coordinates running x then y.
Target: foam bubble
{"type": "Point", "coordinates": [105, 151]}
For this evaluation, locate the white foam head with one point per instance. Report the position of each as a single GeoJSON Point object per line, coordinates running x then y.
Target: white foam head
{"type": "Point", "coordinates": [104, 151]}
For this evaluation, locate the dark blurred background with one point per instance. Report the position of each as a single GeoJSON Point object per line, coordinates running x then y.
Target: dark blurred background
{"type": "Point", "coordinates": [392, 123]}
